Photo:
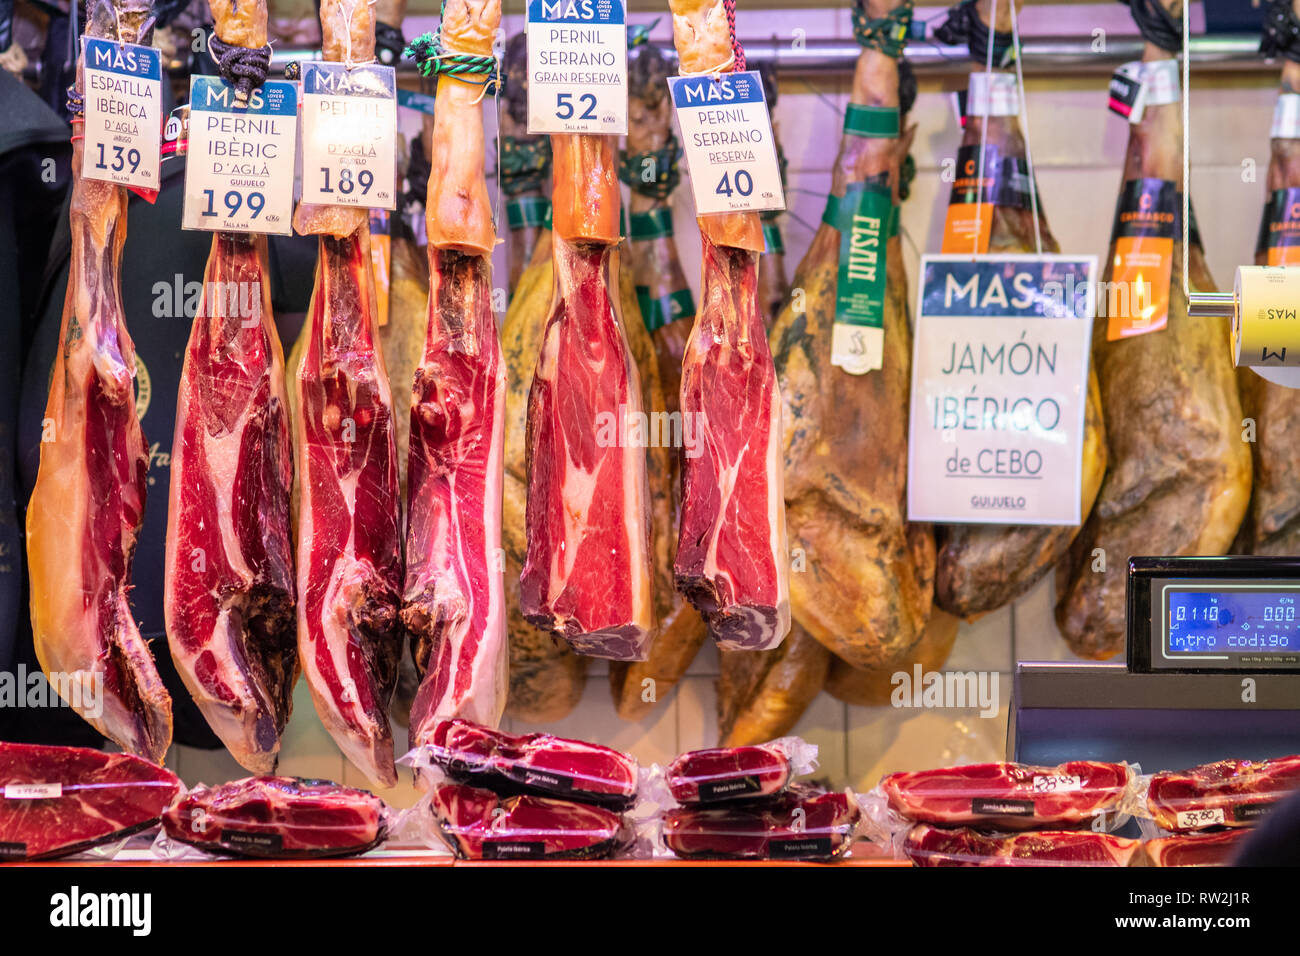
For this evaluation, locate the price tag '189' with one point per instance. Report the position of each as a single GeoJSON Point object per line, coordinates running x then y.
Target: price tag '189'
{"type": "Point", "coordinates": [728, 142]}
{"type": "Point", "coordinates": [577, 66]}
{"type": "Point", "coordinates": [123, 113]}
{"type": "Point", "coordinates": [349, 125]}
{"type": "Point", "coordinates": [239, 174]}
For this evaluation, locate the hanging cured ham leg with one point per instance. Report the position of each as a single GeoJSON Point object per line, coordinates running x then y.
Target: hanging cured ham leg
{"type": "Point", "coordinates": [983, 567]}
{"type": "Point", "coordinates": [587, 573]}
{"type": "Point", "coordinates": [229, 561]}
{"type": "Point", "coordinates": [88, 503]}
{"type": "Point", "coordinates": [454, 603]}
{"type": "Point", "coordinates": [1179, 476]}
{"type": "Point", "coordinates": [349, 509]}
{"type": "Point", "coordinates": [732, 560]}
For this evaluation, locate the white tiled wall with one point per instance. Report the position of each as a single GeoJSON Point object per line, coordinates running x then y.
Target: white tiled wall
{"type": "Point", "coordinates": [1078, 150]}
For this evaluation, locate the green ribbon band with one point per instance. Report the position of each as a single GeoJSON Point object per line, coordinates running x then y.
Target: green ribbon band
{"type": "Point", "coordinates": [656, 313]}
{"type": "Point", "coordinates": [655, 224]}
{"type": "Point", "coordinates": [774, 240]}
{"type": "Point", "coordinates": [528, 212]}
{"type": "Point", "coordinates": [877, 122]}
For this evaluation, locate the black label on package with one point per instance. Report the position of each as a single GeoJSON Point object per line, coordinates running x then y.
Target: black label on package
{"type": "Point", "coordinates": [13, 851]}
{"type": "Point", "coordinates": [1005, 181]}
{"type": "Point", "coordinates": [1002, 808]}
{"type": "Point", "coordinates": [513, 850]}
{"type": "Point", "coordinates": [1279, 227]}
{"type": "Point", "coordinates": [1250, 811]}
{"type": "Point", "coordinates": [727, 789]}
{"type": "Point", "coordinates": [546, 780]}
{"type": "Point", "coordinates": [801, 849]}
{"type": "Point", "coordinates": [1147, 208]}
{"type": "Point", "coordinates": [246, 840]}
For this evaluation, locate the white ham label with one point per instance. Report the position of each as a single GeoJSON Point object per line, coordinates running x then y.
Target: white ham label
{"type": "Point", "coordinates": [577, 66]}
{"type": "Point", "coordinates": [123, 111]}
{"type": "Point", "coordinates": [239, 176]}
{"type": "Point", "coordinates": [349, 131]}
{"type": "Point", "coordinates": [1197, 819]}
{"type": "Point", "coordinates": [33, 791]}
{"type": "Point", "coordinates": [1057, 783]}
{"type": "Point", "coordinates": [999, 389]}
{"type": "Point", "coordinates": [727, 138]}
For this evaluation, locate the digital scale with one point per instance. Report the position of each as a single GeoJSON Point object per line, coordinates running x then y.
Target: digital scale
{"type": "Point", "coordinates": [1212, 672]}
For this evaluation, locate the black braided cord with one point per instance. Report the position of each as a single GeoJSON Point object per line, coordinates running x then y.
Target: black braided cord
{"type": "Point", "coordinates": [244, 68]}
{"type": "Point", "coordinates": [1281, 32]}
{"type": "Point", "coordinates": [1156, 24]}
{"type": "Point", "coordinates": [965, 26]}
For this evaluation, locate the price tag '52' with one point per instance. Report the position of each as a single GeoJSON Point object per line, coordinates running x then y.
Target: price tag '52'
{"type": "Point", "coordinates": [728, 142]}
{"type": "Point", "coordinates": [349, 125]}
{"type": "Point", "coordinates": [577, 66]}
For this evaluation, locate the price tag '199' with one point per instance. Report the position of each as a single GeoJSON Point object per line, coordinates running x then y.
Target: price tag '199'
{"type": "Point", "coordinates": [239, 174]}
{"type": "Point", "coordinates": [577, 66]}
{"type": "Point", "coordinates": [728, 142]}
{"type": "Point", "coordinates": [123, 90]}
{"type": "Point", "coordinates": [349, 126]}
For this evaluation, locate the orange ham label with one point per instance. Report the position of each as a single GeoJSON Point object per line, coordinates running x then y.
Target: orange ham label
{"type": "Point", "coordinates": [1279, 229]}
{"type": "Point", "coordinates": [381, 260]}
{"type": "Point", "coordinates": [1003, 181]}
{"type": "Point", "coordinates": [967, 228]}
{"type": "Point", "coordinates": [1146, 220]}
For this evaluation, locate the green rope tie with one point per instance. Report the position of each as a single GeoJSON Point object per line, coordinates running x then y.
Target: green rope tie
{"type": "Point", "coordinates": [431, 61]}
{"type": "Point", "coordinates": [525, 163]}
{"type": "Point", "coordinates": [888, 34]}
{"type": "Point", "coordinates": [638, 34]}
{"type": "Point", "coordinates": [665, 163]}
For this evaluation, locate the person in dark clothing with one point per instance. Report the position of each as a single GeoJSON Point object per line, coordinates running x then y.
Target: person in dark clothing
{"type": "Point", "coordinates": [1276, 841]}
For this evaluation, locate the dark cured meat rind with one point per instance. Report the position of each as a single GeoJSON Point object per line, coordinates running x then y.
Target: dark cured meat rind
{"type": "Point", "coordinates": [105, 796]}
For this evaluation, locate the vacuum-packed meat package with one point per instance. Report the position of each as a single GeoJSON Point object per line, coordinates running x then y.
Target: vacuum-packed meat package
{"type": "Point", "coordinates": [278, 818]}
{"type": "Point", "coordinates": [803, 823]}
{"type": "Point", "coordinates": [723, 774]}
{"type": "Point", "coordinates": [56, 801]}
{"type": "Point", "coordinates": [1228, 793]}
{"type": "Point", "coordinates": [478, 824]}
{"type": "Point", "coordinates": [1196, 849]}
{"type": "Point", "coordinates": [1010, 796]}
{"type": "Point", "coordinates": [925, 845]}
{"type": "Point", "coordinates": [530, 763]}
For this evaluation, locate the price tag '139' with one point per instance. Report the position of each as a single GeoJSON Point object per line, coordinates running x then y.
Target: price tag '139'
{"type": "Point", "coordinates": [123, 113]}
{"type": "Point", "coordinates": [239, 174]}
{"type": "Point", "coordinates": [728, 142]}
{"type": "Point", "coordinates": [349, 125]}
{"type": "Point", "coordinates": [577, 66]}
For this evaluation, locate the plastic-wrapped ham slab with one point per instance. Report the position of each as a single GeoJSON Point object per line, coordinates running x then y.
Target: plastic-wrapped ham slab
{"type": "Point", "coordinates": [278, 818]}
{"type": "Point", "coordinates": [925, 845]}
{"type": "Point", "coordinates": [478, 824]}
{"type": "Point", "coordinates": [738, 773]}
{"type": "Point", "coordinates": [1009, 796]}
{"type": "Point", "coordinates": [532, 763]}
{"type": "Point", "coordinates": [1196, 849]}
{"type": "Point", "coordinates": [56, 801]}
{"type": "Point", "coordinates": [801, 824]}
{"type": "Point", "coordinates": [1229, 793]}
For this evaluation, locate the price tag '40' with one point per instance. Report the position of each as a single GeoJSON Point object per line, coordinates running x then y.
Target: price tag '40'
{"type": "Point", "coordinates": [729, 148]}
{"type": "Point", "coordinates": [239, 171]}
{"type": "Point", "coordinates": [349, 126]}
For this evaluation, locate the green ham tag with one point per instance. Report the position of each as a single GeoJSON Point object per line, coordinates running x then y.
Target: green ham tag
{"type": "Point", "coordinates": [528, 212]}
{"type": "Point", "coordinates": [656, 313]}
{"type": "Point", "coordinates": [877, 122]}
{"type": "Point", "coordinates": [864, 217]}
{"type": "Point", "coordinates": [773, 238]}
{"type": "Point", "coordinates": [655, 224]}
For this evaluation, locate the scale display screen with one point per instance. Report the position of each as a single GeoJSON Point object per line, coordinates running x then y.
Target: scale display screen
{"type": "Point", "coordinates": [1220, 623]}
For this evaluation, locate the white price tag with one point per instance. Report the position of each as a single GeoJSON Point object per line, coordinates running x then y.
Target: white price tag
{"type": "Point", "coordinates": [349, 126]}
{"type": "Point", "coordinates": [123, 111]}
{"type": "Point", "coordinates": [577, 66]}
{"type": "Point", "coordinates": [1197, 819]}
{"type": "Point", "coordinates": [729, 149]}
{"type": "Point", "coordinates": [999, 389]}
{"type": "Point", "coordinates": [239, 175]}
{"type": "Point", "coordinates": [33, 791]}
{"type": "Point", "coordinates": [1057, 783]}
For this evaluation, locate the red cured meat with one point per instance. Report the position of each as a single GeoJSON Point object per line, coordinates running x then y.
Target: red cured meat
{"type": "Point", "coordinates": [229, 567]}
{"type": "Point", "coordinates": [728, 773]}
{"type": "Point", "coordinates": [1231, 793]}
{"type": "Point", "coordinates": [278, 817]}
{"type": "Point", "coordinates": [732, 558]}
{"type": "Point", "coordinates": [932, 846]}
{"type": "Point", "coordinates": [349, 512]}
{"type": "Point", "coordinates": [587, 572]}
{"type": "Point", "coordinates": [1009, 796]}
{"type": "Point", "coordinates": [479, 825]}
{"type": "Point", "coordinates": [101, 797]}
{"type": "Point", "coordinates": [1196, 849]}
{"type": "Point", "coordinates": [537, 763]}
{"type": "Point", "coordinates": [772, 829]}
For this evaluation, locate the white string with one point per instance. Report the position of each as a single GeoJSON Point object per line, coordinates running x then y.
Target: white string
{"type": "Point", "coordinates": [1024, 122]}
{"type": "Point", "coordinates": [1187, 143]}
{"type": "Point", "coordinates": [348, 62]}
{"type": "Point", "coordinates": [984, 126]}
